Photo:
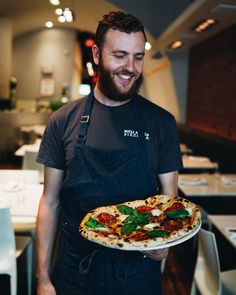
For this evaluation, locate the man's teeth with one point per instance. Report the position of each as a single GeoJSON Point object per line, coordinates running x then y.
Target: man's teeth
{"type": "Point", "coordinates": [126, 77]}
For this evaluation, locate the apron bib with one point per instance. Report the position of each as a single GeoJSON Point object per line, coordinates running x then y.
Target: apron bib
{"type": "Point", "coordinates": [100, 178]}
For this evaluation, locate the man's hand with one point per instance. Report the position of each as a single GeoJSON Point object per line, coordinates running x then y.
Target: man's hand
{"type": "Point", "coordinates": [46, 289]}
{"type": "Point", "coordinates": [156, 254]}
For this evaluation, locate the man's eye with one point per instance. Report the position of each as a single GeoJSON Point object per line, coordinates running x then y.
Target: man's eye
{"type": "Point", "coordinates": [119, 56]}
{"type": "Point", "coordinates": [139, 58]}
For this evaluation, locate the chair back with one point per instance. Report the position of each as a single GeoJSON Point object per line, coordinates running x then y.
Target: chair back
{"type": "Point", "coordinates": [207, 271]}
{"type": "Point", "coordinates": [7, 248]}
{"type": "Point", "coordinates": [29, 162]}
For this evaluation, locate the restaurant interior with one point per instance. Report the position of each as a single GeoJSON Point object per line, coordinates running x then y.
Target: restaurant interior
{"type": "Point", "coordinates": [189, 70]}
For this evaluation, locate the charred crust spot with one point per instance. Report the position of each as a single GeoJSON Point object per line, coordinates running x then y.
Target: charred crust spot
{"type": "Point", "coordinates": [120, 245]}
{"type": "Point", "coordinates": [127, 240]}
{"type": "Point", "coordinates": [189, 227]}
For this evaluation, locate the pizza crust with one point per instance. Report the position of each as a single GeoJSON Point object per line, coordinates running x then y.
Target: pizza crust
{"type": "Point", "coordinates": [124, 242]}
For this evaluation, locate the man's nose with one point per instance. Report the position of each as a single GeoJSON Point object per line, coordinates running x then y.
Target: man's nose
{"type": "Point", "coordinates": [129, 65]}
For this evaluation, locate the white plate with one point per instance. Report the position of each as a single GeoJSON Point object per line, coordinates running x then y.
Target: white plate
{"type": "Point", "coordinates": [158, 246]}
{"type": "Point", "coordinates": [176, 242]}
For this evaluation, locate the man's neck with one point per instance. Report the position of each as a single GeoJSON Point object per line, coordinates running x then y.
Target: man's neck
{"type": "Point", "coordinates": [105, 100]}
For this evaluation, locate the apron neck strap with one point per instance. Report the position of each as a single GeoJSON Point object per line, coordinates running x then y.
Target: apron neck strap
{"type": "Point", "coordinates": [85, 119]}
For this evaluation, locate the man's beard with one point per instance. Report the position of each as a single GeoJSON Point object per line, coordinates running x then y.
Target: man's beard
{"type": "Point", "coordinates": [110, 90]}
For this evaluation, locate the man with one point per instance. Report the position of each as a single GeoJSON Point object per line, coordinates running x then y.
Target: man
{"type": "Point", "coordinates": [107, 148]}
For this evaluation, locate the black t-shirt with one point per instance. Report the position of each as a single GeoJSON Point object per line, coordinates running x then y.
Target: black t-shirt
{"type": "Point", "coordinates": [112, 128]}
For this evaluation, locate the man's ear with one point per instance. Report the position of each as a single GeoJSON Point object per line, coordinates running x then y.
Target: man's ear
{"type": "Point", "coordinates": [96, 55]}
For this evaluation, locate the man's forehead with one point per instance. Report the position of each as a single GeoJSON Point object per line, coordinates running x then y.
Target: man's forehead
{"type": "Point", "coordinates": [116, 38]}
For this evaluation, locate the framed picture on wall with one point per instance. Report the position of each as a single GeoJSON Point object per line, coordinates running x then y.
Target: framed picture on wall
{"type": "Point", "coordinates": [47, 87]}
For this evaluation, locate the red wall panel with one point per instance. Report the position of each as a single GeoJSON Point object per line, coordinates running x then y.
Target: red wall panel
{"type": "Point", "coordinates": [211, 103]}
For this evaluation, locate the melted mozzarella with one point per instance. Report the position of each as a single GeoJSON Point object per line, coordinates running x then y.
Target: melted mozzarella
{"type": "Point", "coordinates": [151, 225]}
{"type": "Point", "coordinates": [122, 217]}
{"type": "Point", "coordinates": [190, 211]}
{"type": "Point", "coordinates": [156, 212]}
{"type": "Point", "coordinates": [102, 228]}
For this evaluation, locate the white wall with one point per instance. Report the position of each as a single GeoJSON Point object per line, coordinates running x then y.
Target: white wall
{"type": "Point", "coordinates": [5, 56]}
{"type": "Point", "coordinates": [53, 47]}
{"type": "Point", "coordinates": [165, 83]}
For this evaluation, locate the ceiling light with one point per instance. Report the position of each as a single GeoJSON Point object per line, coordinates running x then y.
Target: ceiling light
{"type": "Point", "coordinates": [65, 15]}
{"type": "Point", "coordinates": [204, 25]}
{"type": "Point", "coordinates": [58, 11]}
{"type": "Point", "coordinates": [68, 15]}
{"type": "Point", "coordinates": [49, 24]}
{"type": "Point", "coordinates": [54, 2]}
{"type": "Point", "coordinates": [210, 21]}
{"type": "Point", "coordinates": [176, 44]}
{"type": "Point", "coordinates": [61, 19]}
{"type": "Point", "coordinates": [148, 46]}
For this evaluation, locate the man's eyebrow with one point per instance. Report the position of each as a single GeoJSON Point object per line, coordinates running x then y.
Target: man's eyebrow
{"type": "Point", "coordinates": [120, 51]}
{"type": "Point", "coordinates": [125, 52]}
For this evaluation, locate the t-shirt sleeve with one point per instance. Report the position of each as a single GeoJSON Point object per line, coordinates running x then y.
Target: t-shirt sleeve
{"type": "Point", "coordinates": [170, 158]}
{"type": "Point", "coordinates": [51, 151]}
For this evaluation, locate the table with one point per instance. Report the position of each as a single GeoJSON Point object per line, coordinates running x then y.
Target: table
{"type": "Point", "coordinates": [209, 191]}
{"type": "Point", "coordinates": [223, 223]}
{"type": "Point", "coordinates": [23, 204]}
{"type": "Point", "coordinates": [185, 149]}
{"type": "Point", "coordinates": [208, 185]}
{"type": "Point", "coordinates": [38, 129]}
{"type": "Point", "coordinates": [28, 147]}
{"type": "Point", "coordinates": [198, 163]}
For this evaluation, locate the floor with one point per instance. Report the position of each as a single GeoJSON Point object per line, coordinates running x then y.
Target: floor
{"type": "Point", "coordinates": [177, 277]}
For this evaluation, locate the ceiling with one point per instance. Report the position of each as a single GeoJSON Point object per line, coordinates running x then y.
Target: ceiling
{"type": "Point", "coordinates": [28, 15]}
{"type": "Point", "coordinates": [223, 11]}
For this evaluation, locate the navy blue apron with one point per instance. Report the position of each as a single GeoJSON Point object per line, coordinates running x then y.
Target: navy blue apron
{"type": "Point", "coordinates": [97, 178]}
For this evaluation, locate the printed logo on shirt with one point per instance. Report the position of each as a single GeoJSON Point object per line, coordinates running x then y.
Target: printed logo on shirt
{"type": "Point", "coordinates": [133, 133]}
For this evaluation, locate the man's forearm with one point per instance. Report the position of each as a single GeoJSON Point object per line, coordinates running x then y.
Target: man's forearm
{"type": "Point", "coordinates": [46, 230]}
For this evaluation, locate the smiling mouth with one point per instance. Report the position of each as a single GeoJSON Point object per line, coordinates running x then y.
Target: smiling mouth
{"type": "Point", "coordinates": [125, 78]}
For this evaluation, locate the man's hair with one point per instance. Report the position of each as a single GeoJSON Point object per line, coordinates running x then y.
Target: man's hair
{"type": "Point", "coordinates": [117, 20]}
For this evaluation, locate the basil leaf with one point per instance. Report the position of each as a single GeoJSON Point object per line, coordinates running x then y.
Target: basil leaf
{"type": "Point", "coordinates": [125, 209]}
{"type": "Point", "coordinates": [129, 219]}
{"type": "Point", "coordinates": [135, 212]}
{"type": "Point", "coordinates": [128, 228]}
{"type": "Point", "coordinates": [93, 224]}
{"type": "Point", "coordinates": [176, 214]}
{"type": "Point", "coordinates": [157, 233]}
{"type": "Point", "coordinates": [142, 218]}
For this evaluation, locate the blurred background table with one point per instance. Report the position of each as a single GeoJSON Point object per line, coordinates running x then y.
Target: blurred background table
{"type": "Point", "coordinates": [224, 223]}
{"type": "Point", "coordinates": [213, 192]}
{"type": "Point", "coordinates": [198, 164]}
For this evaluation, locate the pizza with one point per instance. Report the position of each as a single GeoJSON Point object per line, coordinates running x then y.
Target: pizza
{"type": "Point", "coordinates": [142, 224]}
